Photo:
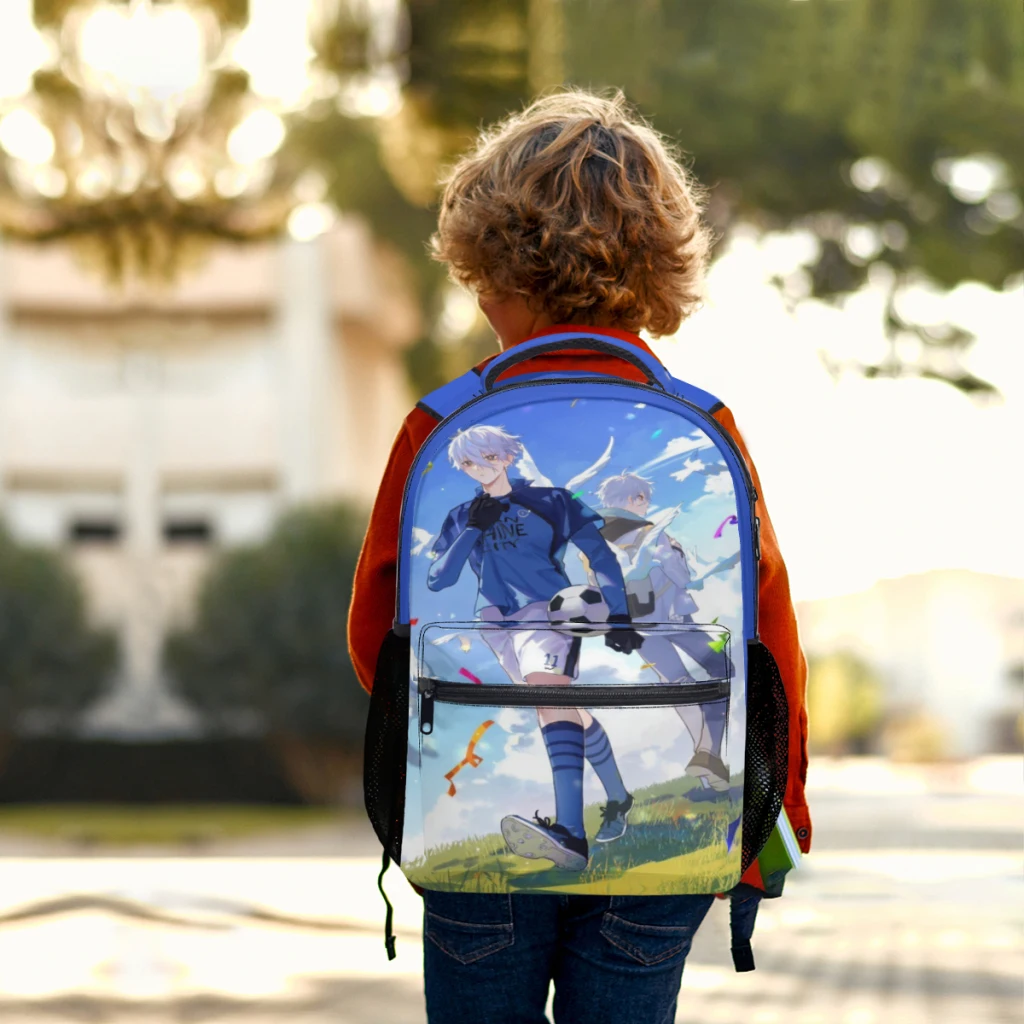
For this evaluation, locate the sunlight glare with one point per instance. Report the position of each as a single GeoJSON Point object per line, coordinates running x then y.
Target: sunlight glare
{"type": "Point", "coordinates": [50, 182]}
{"type": "Point", "coordinates": [274, 50]}
{"type": "Point", "coordinates": [256, 137]}
{"type": "Point", "coordinates": [971, 179]}
{"type": "Point", "coordinates": [158, 52]}
{"type": "Point", "coordinates": [310, 220]}
{"type": "Point", "coordinates": [377, 95]}
{"type": "Point", "coordinates": [869, 173]}
{"type": "Point", "coordinates": [828, 448]}
{"type": "Point", "coordinates": [25, 137]}
{"type": "Point", "coordinates": [22, 49]}
{"type": "Point", "coordinates": [458, 316]}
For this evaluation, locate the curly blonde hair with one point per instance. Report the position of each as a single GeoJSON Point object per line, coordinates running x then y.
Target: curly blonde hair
{"type": "Point", "coordinates": [579, 206]}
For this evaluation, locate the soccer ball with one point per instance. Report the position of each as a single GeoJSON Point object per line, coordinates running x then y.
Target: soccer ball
{"type": "Point", "coordinates": [579, 611]}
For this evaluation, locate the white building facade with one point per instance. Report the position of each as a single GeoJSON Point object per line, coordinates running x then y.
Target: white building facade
{"type": "Point", "coordinates": [141, 432]}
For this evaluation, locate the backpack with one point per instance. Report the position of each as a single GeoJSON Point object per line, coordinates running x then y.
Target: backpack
{"type": "Point", "coordinates": [574, 697]}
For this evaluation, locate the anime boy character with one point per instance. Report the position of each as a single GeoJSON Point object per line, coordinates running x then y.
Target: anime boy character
{"type": "Point", "coordinates": [513, 536]}
{"type": "Point", "coordinates": [658, 590]}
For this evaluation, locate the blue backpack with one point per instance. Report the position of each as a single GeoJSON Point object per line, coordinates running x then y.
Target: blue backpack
{"type": "Point", "coordinates": [574, 697]}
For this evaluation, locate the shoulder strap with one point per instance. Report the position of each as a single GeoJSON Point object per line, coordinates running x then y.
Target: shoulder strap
{"type": "Point", "coordinates": [441, 403]}
{"type": "Point", "coordinates": [704, 400]}
{"type": "Point", "coordinates": [451, 396]}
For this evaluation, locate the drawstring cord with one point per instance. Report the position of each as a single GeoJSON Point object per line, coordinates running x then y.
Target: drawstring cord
{"type": "Point", "coordinates": [742, 914]}
{"type": "Point", "coordinates": [389, 934]}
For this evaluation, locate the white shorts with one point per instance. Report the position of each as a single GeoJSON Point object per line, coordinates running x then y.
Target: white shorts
{"type": "Point", "coordinates": [521, 652]}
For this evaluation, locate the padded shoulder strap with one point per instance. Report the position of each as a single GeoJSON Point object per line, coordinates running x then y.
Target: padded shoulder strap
{"type": "Point", "coordinates": [440, 404]}
{"type": "Point", "coordinates": [451, 396]}
{"type": "Point", "coordinates": [704, 400]}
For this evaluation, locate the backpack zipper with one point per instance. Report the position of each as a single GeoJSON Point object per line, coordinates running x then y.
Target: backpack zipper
{"type": "Point", "coordinates": [573, 696]}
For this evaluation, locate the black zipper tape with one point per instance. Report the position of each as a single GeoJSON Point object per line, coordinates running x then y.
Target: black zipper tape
{"type": "Point", "coordinates": [573, 696]}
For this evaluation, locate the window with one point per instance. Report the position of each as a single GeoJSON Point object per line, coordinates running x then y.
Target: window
{"type": "Point", "coordinates": [94, 530]}
{"type": "Point", "coordinates": [188, 531]}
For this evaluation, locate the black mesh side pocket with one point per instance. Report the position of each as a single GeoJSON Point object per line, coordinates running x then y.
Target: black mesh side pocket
{"type": "Point", "coordinates": [386, 747]}
{"type": "Point", "coordinates": [766, 767]}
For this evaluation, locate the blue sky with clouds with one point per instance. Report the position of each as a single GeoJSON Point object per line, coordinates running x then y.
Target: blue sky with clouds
{"type": "Point", "coordinates": [563, 440]}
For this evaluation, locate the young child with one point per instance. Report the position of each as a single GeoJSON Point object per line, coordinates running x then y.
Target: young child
{"type": "Point", "coordinates": [571, 213]}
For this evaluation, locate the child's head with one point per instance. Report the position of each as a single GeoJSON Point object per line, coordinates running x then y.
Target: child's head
{"type": "Point", "coordinates": [582, 210]}
{"type": "Point", "coordinates": [484, 452]}
{"type": "Point", "coordinates": [628, 491]}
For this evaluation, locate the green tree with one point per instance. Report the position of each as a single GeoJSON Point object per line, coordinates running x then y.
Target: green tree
{"type": "Point", "coordinates": [844, 704]}
{"type": "Point", "coordinates": [53, 665]}
{"type": "Point", "coordinates": [892, 129]}
{"type": "Point", "coordinates": [268, 637]}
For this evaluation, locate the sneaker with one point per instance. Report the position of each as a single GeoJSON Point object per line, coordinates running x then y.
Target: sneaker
{"type": "Point", "coordinates": [544, 839]}
{"type": "Point", "coordinates": [613, 819]}
{"type": "Point", "coordinates": [710, 769]}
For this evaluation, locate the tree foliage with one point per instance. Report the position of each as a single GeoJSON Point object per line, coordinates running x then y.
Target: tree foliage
{"type": "Point", "coordinates": [845, 702]}
{"type": "Point", "coordinates": [53, 665]}
{"type": "Point", "coordinates": [268, 636]}
{"type": "Point", "coordinates": [891, 129]}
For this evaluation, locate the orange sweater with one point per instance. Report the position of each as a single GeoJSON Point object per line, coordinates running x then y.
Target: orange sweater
{"type": "Point", "coordinates": [373, 595]}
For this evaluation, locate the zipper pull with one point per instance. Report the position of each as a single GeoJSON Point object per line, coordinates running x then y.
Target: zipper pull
{"type": "Point", "coordinates": [757, 537]}
{"type": "Point", "coordinates": [426, 687]}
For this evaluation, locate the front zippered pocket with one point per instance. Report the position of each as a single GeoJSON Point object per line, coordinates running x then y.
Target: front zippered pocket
{"type": "Point", "coordinates": [592, 786]}
{"type": "Point", "coordinates": [572, 696]}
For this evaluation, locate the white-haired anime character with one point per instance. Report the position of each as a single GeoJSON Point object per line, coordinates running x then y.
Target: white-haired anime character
{"type": "Point", "coordinates": [658, 590]}
{"type": "Point", "coordinates": [513, 535]}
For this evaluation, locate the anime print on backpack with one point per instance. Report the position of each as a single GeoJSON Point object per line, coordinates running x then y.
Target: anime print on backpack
{"type": "Point", "coordinates": [603, 554]}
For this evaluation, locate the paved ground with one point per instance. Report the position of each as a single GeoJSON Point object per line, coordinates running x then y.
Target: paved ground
{"type": "Point", "coordinates": [909, 912]}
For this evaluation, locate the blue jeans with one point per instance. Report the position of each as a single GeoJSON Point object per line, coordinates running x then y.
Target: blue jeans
{"type": "Point", "coordinates": [613, 959]}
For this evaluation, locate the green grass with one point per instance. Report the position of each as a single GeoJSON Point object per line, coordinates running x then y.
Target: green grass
{"type": "Point", "coordinates": [673, 844]}
{"type": "Point", "coordinates": [119, 825]}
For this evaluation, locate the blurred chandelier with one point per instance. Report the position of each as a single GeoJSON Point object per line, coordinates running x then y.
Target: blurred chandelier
{"type": "Point", "coordinates": [148, 130]}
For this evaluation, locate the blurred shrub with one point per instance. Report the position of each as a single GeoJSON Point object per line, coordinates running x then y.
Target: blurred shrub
{"type": "Point", "coordinates": [914, 734]}
{"type": "Point", "coordinates": [844, 704]}
{"type": "Point", "coordinates": [267, 649]}
{"type": "Point", "coordinates": [53, 665]}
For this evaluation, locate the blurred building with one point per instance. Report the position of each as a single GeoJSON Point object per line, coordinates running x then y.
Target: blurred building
{"type": "Point", "coordinates": [140, 431]}
{"type": "Point", "coordinates": [947, 644]}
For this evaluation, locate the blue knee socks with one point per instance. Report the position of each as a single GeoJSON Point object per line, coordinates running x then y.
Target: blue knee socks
{"type": "Point", "coordinates": [564, 741]}
{"type": "Point", "coordinates": [602, 760]}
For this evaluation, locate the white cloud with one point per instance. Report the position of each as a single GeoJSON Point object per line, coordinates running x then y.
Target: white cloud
{"type": "Point", "coordinates": [721, 597]}
{"type": "Point", "coordinates": [677, 447]}
{"type": "Point", "coordinates": [524, 762]}
{"type": "Point", "coordinates": [516, 720]}
{"type": "Point", "coordinates": [422, 538]}
{"type": "Point", "coordinates": [719, 483]}
{"type": "Point", "coordinates": [600, 664]}
{"type": "Point", "coordinates": [690, 466]}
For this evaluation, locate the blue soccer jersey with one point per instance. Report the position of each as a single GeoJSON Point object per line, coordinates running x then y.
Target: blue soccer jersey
{"type": "Point", "coordinates": [520, 559]}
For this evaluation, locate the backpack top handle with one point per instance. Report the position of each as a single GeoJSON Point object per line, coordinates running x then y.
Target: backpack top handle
{"type": "Point", "coordinates": [656, 374]}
